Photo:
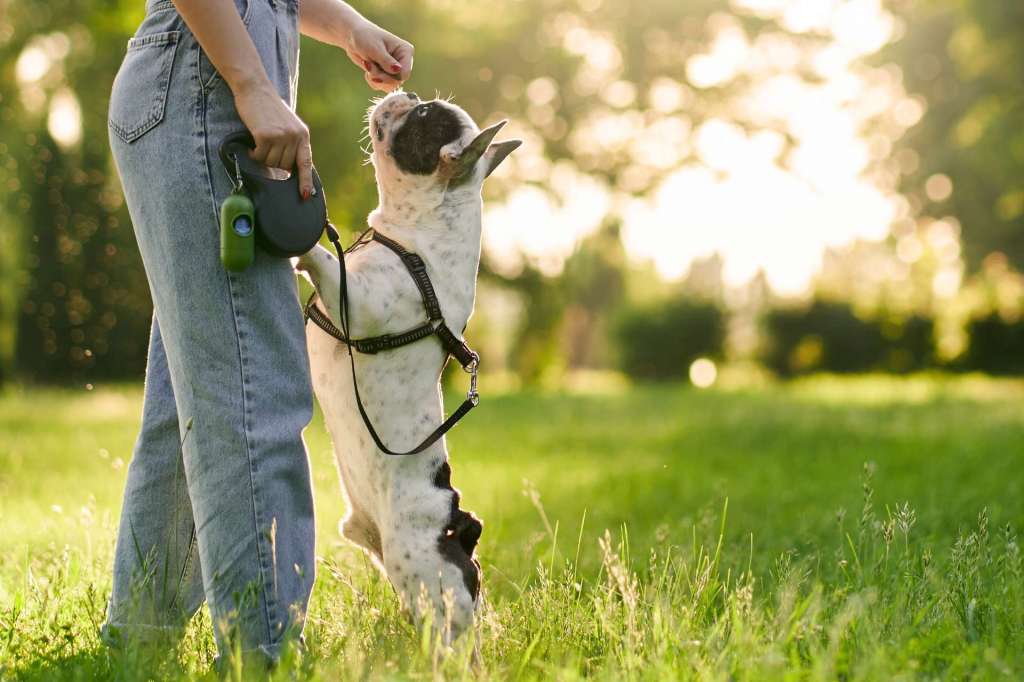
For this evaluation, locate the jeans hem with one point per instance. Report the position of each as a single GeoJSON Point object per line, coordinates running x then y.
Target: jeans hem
{"type": "Point", "coordinates": [114, 634]}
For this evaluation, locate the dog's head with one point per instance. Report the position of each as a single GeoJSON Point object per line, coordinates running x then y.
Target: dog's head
{"type": "Point", "coordinates": [431, 147]}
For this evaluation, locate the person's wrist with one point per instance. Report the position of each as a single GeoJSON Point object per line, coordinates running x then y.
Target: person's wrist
{"type": "Point", "coordinates": [245, 84]}
{"type": "Point", "coordinates": [347, 25]}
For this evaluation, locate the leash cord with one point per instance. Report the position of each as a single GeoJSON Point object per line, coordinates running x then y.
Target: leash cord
{"type": "Point", "coordinates": [472, 398]}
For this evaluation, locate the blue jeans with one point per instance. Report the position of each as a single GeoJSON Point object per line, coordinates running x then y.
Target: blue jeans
{"type": "Point", "coordinates": [227, 516]}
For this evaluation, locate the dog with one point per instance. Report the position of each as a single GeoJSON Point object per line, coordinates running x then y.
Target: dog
{"type": "Point", "coordinates": [430, 160]}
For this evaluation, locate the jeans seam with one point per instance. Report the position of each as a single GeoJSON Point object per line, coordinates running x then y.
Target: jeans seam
{"type": "Point", "coordinates": [186, 567]}
{"type": "Point", "coordinates": [264, 592]}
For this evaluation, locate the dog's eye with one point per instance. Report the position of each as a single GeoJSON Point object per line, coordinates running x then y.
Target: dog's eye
{"type": "Point", "coordinates": [380, 133]}
{"type": "Point", "coordinates": [422, 111]}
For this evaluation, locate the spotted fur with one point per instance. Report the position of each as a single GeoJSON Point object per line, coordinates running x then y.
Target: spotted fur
{"type": "Point", "coordinates": [404, 511]}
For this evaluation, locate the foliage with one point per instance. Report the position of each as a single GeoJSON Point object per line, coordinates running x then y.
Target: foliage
{"type": "Point", "coordinates": [660, 340]}
{"type": "Point", "coordinates": [763, 552]}
{"type": "Point", "coordinates": [995, 346]}
{"type": "Point", "coordinates": [535, 349]}
{"type": "Point", "coordinates": [601, 91]}
{"type": "Point", "coordinates": [964, 57]}
{"type": "Point", "coordinates": [832, 337]}
{"type": "Point", "coordinates": [585, 68]}
{"type": "Point", "coordinates": [68, 198]}
{"type": "Point", "coordinates": [73, 283]}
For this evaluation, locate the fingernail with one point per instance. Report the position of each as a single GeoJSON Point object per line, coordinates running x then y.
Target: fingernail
{"type": "Point", "coordinates": [376, 80]}
{"type": "Point", "coordinates": [366, 64]}
{"type": "Point", "coordinates": [305, 194]}
{"type": "Point", "coordinates": [395, 68]}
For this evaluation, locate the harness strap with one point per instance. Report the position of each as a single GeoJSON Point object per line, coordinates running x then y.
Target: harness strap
{"type": "Point", "coordinates": [435, 325]}
{"type": "Point", "coordinates": [370, 345]}
{"type": "Point", "coordinates": [418, 270]}
{"type": "Point", "coordinates": [456, 346]}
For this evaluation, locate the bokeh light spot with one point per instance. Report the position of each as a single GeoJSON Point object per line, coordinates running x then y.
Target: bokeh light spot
{"type": "Point", "coordinates": [703, 373]}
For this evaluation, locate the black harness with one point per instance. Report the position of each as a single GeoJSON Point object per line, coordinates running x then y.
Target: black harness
{"type": "Point", "coordinates": [433, 326]}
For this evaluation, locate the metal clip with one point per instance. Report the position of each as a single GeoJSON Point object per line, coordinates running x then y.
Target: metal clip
{"type": "Point", "coordinates": [473, 368]}
{"type": "Point", "coordinates": [238, 175]}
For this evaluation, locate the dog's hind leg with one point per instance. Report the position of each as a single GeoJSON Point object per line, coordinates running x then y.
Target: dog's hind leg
{"type": "Point", "coordinates": [358, 527]}
{"type": "Point", "coordinates": [428, 551]}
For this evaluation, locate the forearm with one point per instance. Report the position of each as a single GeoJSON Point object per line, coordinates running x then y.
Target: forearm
{"type": "Point", "coordinates": [225, 40]}
{"type": "Point", "coordinates": [329, 21]}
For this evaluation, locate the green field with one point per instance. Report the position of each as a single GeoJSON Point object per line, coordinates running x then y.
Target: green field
{"type": "Point", "coordinates": [826, 529]}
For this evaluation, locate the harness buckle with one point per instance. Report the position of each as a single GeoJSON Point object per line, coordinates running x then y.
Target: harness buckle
{"type": "Point", "coordinates": [473, 368]}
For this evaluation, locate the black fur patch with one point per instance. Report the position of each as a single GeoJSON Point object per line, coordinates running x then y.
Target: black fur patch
{"type": "Point", "coordinates": [461, 534]}
{"type": "Point", "coordinates": [417, 144]}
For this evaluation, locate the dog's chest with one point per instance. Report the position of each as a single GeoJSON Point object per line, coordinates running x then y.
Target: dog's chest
{"type": "Point", "coordinates": [399, 388]}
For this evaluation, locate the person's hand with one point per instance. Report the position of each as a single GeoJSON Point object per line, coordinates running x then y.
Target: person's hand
{"type": "Point", "coordinates": [385, 58]}
{"type": "Point", "coordinates": [282, 139]}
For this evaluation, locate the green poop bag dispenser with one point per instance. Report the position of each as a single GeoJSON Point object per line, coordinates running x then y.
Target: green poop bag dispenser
{"type": "Point", "coordinates": [237, 231]}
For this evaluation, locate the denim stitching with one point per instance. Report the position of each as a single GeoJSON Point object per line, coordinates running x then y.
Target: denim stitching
{"type": "Point", "coordinates": [186, 568]}
{"type": "Point", "coordinates": [268, 607]}
{"type": "Point", "coordinates": [153, 40]}
{"type": "Point", "coordinates": [160, 6]}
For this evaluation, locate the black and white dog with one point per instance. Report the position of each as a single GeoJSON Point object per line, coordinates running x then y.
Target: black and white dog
{"type": "Point", "coordinates": [430, 160]}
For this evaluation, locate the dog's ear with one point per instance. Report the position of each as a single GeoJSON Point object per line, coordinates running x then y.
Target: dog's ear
{"type": "Point", "coordinates": [497, 152]}
{"type": "Point", "coordinates": [458, 163]}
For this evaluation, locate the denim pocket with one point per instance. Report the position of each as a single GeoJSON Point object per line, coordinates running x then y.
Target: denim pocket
{"type": "Point", "coordinates": [139, 95]}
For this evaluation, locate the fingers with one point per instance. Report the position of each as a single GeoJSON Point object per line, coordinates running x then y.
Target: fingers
{"type": "Point", "coordinates": [273, 159]}
{"type": "Point", "coordinates": [260, 152]}
{"type": "Point", "coordinates": [380, 81]}
{"type": "Point", "coordinates": [385, 58]}
{"type": "Point", "coordinates": [402, 53]}
{"type": "Point", "coordinates": [379, 54]}
{"type": "Point", "coordinates": [286, 148]}
{"type": "Point", "coordinates": [376, 77]}
{"type": "Point", "coordinates": [287, 160]}
{"type": "Point", "coordinates": [304, 162]}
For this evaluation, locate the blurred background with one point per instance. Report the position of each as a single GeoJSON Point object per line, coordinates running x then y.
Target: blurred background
{"type": "Point", "coordinates": [795, 186]}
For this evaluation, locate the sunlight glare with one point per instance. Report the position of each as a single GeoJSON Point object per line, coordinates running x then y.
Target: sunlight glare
{"type": "Point", "coordinates": [32, 64]}
{"type": "Point", "coordinates": [64, 122]}
{"type": "Point", "coordinates": [530, 227]}
{"type": "Point", "coordinates": [769, 185]}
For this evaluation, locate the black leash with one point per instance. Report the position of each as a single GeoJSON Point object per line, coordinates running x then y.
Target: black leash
{"type": "Point", "coordinates": [434, 326]}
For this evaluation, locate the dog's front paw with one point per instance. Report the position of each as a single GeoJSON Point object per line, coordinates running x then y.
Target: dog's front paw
{"type": "Point", "coordinates": [315, 261]}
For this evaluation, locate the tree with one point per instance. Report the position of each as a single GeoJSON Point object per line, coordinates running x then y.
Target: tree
{"type": "Point", "coordinates": [966, 157]}
{"type": "Point", "coordinates": [81, 307]}
{"type": "Point", "coordinates": [607, 90]}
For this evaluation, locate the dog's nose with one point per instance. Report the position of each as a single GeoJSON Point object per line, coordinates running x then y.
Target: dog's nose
{"type": "Point", "coordinates": [413, 96]}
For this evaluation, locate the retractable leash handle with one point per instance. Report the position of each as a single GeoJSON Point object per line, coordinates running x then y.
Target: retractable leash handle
{"type": "Point", "coordinates": [285, 225]}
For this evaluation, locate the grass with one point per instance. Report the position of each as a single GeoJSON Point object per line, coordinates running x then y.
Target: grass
{"type": "Point", "coordinates": [855, 529]}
